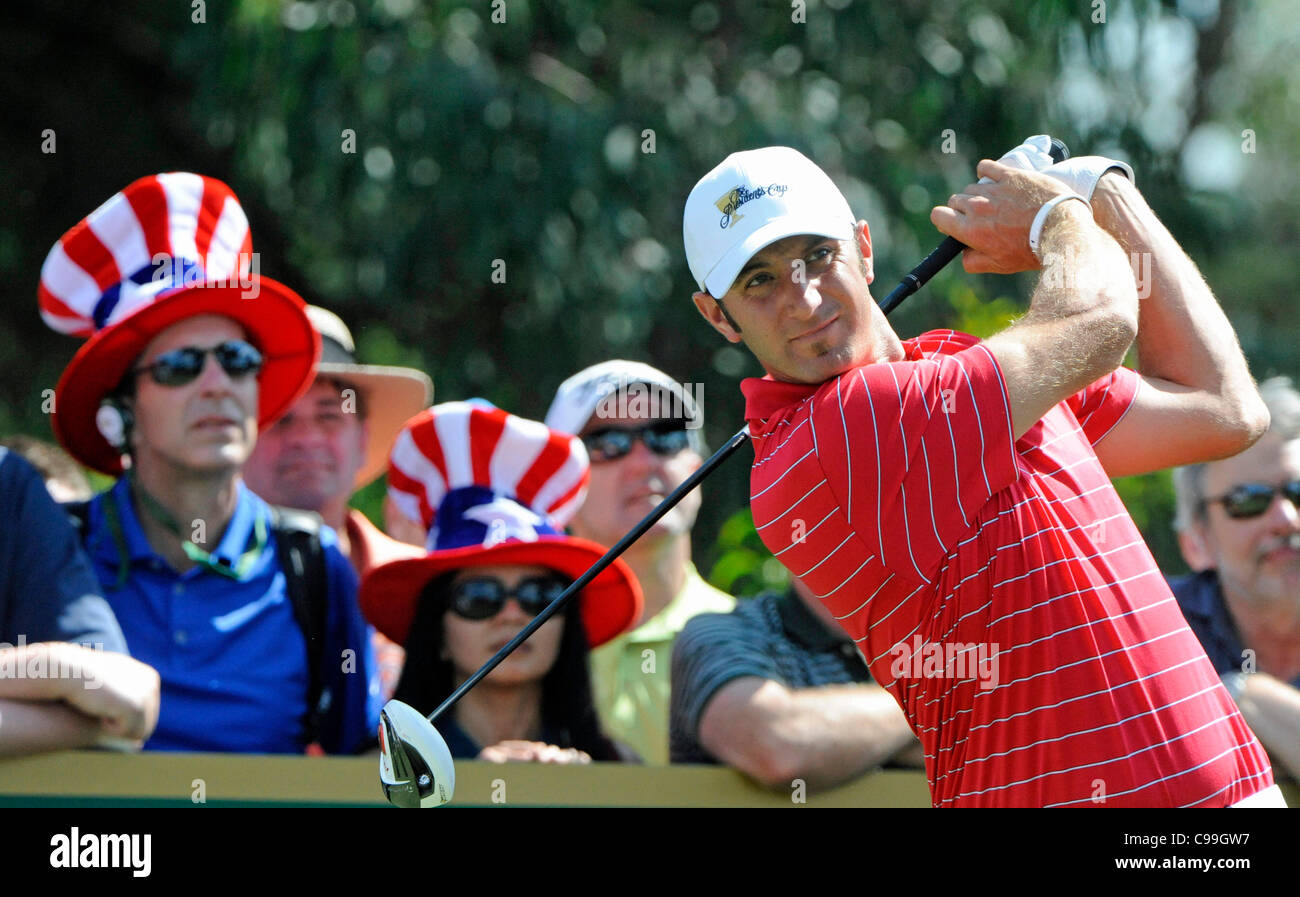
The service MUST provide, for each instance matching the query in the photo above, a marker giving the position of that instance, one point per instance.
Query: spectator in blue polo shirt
(65, 681)
(189, 353)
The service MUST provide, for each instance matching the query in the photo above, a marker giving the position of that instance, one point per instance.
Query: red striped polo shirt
(998, 589)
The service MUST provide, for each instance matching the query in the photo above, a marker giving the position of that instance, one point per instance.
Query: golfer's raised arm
(1198, 401)
(1083, 315)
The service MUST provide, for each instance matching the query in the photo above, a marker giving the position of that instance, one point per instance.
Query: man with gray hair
(1238, 523)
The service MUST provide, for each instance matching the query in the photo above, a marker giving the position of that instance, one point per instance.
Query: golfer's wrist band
(1036, 229)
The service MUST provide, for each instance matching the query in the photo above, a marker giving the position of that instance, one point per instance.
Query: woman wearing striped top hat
(493, 491)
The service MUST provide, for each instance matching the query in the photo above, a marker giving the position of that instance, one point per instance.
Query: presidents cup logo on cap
(784, 195)
(736, 197)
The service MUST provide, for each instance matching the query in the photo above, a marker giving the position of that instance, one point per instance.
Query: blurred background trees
(393, 155)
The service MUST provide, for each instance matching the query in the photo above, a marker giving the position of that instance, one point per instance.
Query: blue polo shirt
(1200, 597)
(230, 652)
(48, 592)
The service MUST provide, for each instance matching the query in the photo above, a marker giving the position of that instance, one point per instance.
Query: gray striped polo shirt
(771, 636)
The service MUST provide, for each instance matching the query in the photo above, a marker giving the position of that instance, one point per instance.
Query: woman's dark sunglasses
(180, 366)
(665, 437)
(482, 598)
(1253, 499)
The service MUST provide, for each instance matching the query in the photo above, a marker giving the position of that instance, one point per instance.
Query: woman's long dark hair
(568, 710)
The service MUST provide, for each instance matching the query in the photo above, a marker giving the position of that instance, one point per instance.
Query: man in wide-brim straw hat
(189, 353)
(335, 440)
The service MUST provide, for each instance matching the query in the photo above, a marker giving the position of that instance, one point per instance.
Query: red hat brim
(611, 603)
(275, 320)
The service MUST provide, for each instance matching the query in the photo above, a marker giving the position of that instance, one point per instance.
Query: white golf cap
(752, 199)
(579, 396)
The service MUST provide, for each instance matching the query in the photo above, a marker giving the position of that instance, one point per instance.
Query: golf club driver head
(415, 766)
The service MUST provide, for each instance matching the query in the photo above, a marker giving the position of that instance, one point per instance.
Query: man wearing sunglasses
(256, 653)
(1238, 523)
(642, 431)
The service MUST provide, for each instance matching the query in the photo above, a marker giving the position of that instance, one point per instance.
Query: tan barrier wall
(92, 777)
(290, 780)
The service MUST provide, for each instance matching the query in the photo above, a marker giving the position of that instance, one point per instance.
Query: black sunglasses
(482, 598)
(661, 437)
(180, 366)
(1253, 499)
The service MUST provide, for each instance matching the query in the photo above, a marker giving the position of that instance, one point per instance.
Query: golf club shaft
(944, 253)
(931, 265)
(597, 568)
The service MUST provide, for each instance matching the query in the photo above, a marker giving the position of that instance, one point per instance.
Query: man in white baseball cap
(796, 197)
(642, 431)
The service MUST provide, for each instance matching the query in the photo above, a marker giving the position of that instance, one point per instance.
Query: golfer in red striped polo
(949, 499)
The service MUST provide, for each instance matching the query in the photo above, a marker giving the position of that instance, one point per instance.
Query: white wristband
(1036, 229)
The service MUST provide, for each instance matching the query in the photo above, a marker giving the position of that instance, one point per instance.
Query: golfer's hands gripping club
(993, 218)
(1035, 154)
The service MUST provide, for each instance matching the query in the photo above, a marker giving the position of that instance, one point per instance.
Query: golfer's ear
(863, 235)
(1195, 548)
(712, 313)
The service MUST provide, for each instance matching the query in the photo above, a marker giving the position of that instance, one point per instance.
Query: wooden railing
(93, 778)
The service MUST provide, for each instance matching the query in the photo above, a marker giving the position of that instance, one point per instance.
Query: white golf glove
(1081, 174)
(1032, 155)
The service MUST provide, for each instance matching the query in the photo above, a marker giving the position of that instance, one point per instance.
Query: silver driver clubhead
(415, 766)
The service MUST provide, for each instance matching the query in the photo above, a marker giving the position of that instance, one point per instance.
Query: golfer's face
(804, 309)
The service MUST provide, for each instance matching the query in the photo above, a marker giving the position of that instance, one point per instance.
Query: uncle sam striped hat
(493, 488)
(166, 248)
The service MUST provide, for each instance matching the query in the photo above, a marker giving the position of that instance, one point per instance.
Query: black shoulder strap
(302, 558)
(79, 513)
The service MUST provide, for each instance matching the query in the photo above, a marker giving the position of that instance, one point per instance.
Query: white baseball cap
(754, 198)
(579, 396)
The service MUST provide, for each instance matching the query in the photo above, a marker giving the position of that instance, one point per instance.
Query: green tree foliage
(394, 156)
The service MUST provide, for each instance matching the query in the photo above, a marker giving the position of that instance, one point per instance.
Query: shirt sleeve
(49, 591)
(712, 650)
(1100, 405)
(351, 720)
(913, 450)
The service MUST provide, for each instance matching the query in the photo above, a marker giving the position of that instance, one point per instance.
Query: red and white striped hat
(166, 248)
(492, 488)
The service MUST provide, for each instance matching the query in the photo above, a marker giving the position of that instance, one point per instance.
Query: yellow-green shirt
(630, 673)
